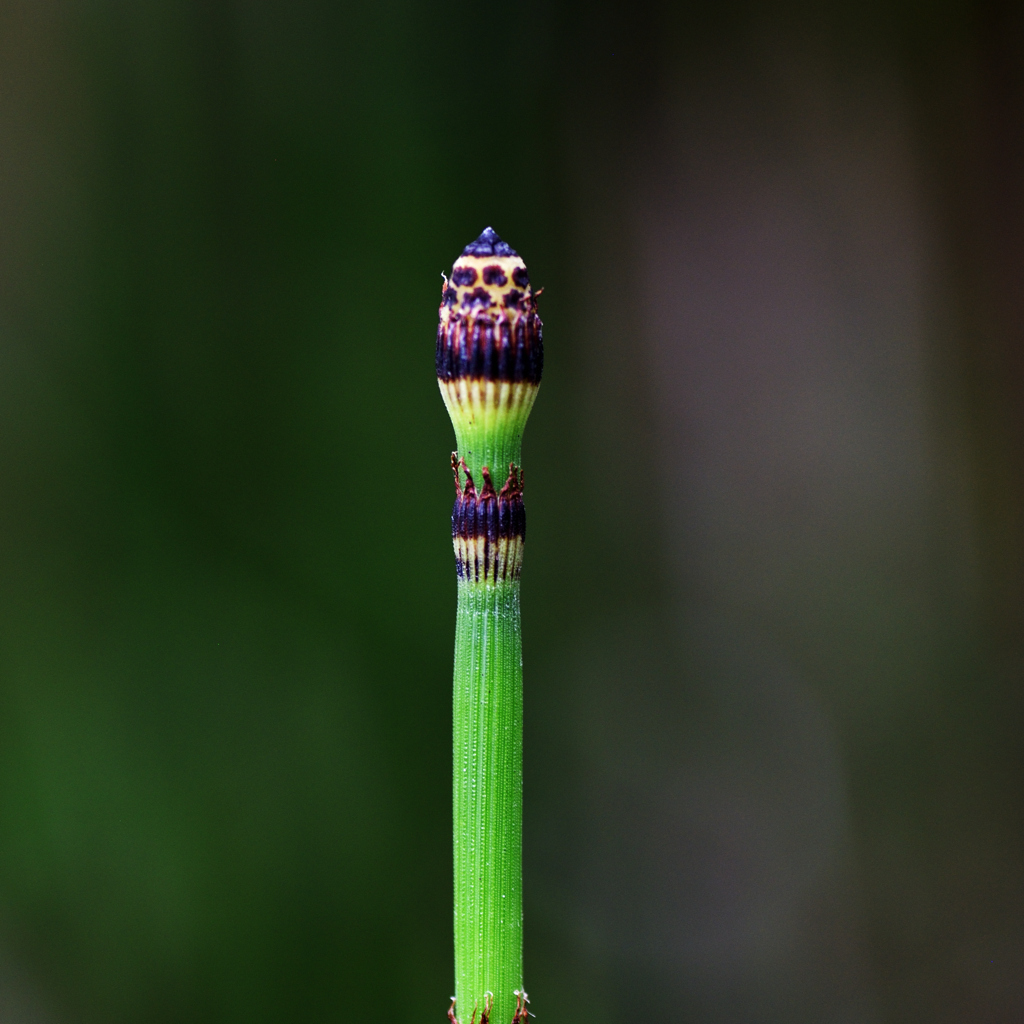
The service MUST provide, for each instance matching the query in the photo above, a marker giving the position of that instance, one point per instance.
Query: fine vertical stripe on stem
(487, 794)
(489, 363)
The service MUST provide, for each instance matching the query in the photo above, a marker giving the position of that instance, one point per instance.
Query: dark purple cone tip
(489, 244)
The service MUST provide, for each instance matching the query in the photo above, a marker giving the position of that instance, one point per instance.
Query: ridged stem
(487, 800)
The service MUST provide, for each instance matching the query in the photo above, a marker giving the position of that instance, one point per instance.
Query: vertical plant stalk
(489, 361)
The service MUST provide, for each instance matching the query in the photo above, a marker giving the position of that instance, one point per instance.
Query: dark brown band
(493, 348)
(489, 527)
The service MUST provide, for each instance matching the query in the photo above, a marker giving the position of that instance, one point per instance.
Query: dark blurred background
(775, 576)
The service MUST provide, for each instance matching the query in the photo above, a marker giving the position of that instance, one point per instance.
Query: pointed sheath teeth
(489, 527)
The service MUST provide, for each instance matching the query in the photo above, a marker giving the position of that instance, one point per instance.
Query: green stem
(487, 800)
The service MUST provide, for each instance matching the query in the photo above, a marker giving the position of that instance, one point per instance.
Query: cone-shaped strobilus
(489, 362)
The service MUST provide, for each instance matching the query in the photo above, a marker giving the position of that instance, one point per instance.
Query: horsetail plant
(489, 360)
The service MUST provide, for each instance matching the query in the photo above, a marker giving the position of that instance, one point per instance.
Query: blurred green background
(772, 601)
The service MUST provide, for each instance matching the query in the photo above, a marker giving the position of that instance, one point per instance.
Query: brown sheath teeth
(519, 1017)
(489, 527)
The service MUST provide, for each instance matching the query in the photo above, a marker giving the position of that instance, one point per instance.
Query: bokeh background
(775, 577)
